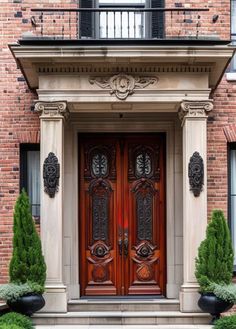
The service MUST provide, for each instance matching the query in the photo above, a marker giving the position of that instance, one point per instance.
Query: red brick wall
(19, 125)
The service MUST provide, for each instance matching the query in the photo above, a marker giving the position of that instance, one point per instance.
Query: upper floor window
(233, 32)
(118, 19)
(30, 175)
(232, 195)
(122, 24)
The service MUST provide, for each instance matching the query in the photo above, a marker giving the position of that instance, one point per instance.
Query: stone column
(193, 115)
(52, 118)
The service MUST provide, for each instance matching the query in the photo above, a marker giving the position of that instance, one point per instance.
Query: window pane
(118, 2)
(233, 224)
(121, 25)
(33, 181)
(233, 32)
(233, 17)
(233, 171)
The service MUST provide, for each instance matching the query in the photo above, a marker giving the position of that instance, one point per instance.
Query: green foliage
(17, 319)
(228, 322)
(226, 293)
(10, 326)
(27, 263)
(11, 292)
(214, 263)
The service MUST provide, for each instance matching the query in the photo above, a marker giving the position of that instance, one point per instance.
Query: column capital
(52, 109)
(194, 109)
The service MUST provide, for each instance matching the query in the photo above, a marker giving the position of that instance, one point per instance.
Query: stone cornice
(52, 109)
(195, 109)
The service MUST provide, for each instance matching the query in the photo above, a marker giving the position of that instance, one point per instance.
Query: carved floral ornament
(123, 85)
(52, 109)
(198, 109)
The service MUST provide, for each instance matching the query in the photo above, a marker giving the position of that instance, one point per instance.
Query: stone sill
(231, 76)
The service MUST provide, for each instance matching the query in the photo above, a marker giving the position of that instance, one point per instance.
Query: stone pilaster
(193, 115)
(52, 118)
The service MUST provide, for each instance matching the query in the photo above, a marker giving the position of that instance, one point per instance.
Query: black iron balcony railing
(122, 23)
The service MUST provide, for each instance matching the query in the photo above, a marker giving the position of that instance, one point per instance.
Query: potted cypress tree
(27, 269)
(214, 267)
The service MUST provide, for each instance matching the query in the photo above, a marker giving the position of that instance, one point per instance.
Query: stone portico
(152, 89)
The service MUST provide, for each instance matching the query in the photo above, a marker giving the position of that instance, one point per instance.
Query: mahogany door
(122, 214)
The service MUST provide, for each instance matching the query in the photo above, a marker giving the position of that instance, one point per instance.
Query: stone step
(126, 327)
(122, 318)
(96, 305)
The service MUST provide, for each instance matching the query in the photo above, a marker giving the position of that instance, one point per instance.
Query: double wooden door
(122, 214)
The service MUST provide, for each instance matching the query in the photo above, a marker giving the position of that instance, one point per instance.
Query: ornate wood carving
(196, 173)
(143, 162)
(99, 258)
(51, 174)
(100, 191)
(145, 259)
(100, 161)
(123, 85)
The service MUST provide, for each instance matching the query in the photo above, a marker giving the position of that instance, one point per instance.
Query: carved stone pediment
(123, 85)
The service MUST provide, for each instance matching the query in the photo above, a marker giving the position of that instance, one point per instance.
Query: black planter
(27, 304)
(209, 303)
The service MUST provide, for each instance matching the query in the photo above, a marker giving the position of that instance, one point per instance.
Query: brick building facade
(20, 124)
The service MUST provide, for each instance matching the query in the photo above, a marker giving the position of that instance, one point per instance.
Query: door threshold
(139, 297)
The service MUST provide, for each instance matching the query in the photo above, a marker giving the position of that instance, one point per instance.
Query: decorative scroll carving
(196, 173)
(145, 249)
(52, 109)
(100, 161)
(100, 258)
(195, 109)
(144, 272)
(144, 193)
(143, 162)
(100, 192)
(123, 85)
(99, 249)
(145, 258)
(51, 174)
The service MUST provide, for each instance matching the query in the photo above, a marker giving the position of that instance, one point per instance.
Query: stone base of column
(56, 299)
(189, 297)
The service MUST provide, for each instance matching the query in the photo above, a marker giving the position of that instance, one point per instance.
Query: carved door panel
(145, 212)
(98, 216)
(122, 247)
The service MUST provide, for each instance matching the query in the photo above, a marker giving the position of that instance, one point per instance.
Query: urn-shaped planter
(27, 304)
(209, 303)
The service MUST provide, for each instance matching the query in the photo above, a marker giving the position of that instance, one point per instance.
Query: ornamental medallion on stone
(196, 173)
(51, 174)
(123, 85)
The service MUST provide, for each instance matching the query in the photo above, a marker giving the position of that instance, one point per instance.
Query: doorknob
(126, 243)
(120, 245)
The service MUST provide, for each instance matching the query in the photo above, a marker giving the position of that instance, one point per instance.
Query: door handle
(120, 247)
(126, 243)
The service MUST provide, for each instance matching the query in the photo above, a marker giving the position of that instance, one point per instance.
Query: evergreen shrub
(27, 263)
(16, 319)
(228, 322)
(214, 263)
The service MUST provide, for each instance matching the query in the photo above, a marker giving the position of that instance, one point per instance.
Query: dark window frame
(231, 146)
(153, 29)
(24, 148)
